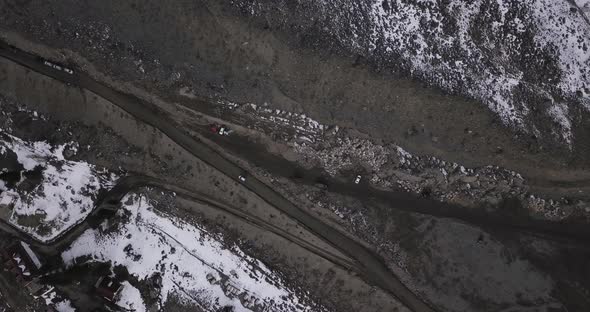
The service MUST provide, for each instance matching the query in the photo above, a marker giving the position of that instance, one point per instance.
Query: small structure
(211, 279)
(231, 289)
(22, 261)
(251, 302)
(107, 287)
(39, 290)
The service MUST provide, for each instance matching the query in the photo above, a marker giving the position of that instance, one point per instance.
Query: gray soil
(217, 52)
(430, 255)
(226, 55)
(84, 118)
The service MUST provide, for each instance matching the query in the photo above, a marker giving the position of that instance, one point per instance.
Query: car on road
(242, 177)
(357, 180)
(225, 131)
(58, 67)
(214, 128)
(220, 129)
(321, 185)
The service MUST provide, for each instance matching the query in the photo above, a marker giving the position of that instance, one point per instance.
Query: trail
(366, 262)
(370, 266)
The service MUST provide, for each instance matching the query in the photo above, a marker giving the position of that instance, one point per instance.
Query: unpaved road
(370, 265)
(111, 199)
(510, 219)
(153, 116)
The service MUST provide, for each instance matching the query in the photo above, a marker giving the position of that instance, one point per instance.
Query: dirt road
(371, 266)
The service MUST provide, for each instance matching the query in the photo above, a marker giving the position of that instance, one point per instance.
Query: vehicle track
(370, 265)
(129, 184)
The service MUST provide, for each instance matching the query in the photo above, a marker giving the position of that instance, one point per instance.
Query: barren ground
(199, 60)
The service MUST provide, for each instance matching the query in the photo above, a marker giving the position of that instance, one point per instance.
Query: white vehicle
(57, 67)
(225, 131)
(357, 180)
(242, 178)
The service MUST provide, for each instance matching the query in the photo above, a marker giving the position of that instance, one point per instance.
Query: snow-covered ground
(557, 32)
(64, 306)
(519, 58)
(192, 264)
(282, 125)
(62, 196)
(130, 298)
(584, 5)
(459, 60)
(390, 166)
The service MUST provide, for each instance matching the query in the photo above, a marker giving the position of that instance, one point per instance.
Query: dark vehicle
(220, 129)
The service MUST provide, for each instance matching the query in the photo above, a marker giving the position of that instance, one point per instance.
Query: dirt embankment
(137, 147)
(422, 251)
(213, 50)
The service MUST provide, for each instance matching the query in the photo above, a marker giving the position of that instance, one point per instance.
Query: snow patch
(185, 256)
(509, 55)
(63, 197)
(559, 114)
(64, 306)
(130, 298)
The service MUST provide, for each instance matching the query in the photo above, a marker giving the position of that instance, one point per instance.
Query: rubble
(339, 151)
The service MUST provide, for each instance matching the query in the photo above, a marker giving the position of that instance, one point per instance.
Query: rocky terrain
(64, 193)
(449, 137)
(527, 60)
(342, 151)
(271, 56)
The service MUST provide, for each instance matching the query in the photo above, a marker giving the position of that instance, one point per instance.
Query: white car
(225, 131)
(242, 178)
(57, 67)
(357, 180)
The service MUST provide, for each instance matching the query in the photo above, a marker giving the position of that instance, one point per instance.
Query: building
(22, 261)
(250, 301)
(40, 290)
(230, 288)
(107, 288)
(212, 279)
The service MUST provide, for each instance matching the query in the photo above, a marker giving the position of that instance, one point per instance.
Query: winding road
(369, 265)
(366, 262)
(110, 202)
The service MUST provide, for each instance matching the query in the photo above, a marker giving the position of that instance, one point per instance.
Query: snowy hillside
(584, 6)
(528, 61)
(192, 264)
(41, 192)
